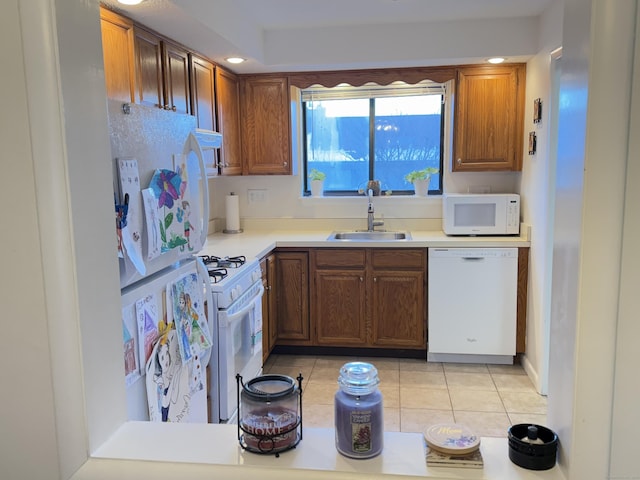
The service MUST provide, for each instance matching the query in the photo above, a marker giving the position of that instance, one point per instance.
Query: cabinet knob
(375, 279)
(459, 161)
(361, 279)
(174, 108)
(285, 164)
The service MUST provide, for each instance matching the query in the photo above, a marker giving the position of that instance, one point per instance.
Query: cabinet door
(228, 110)
(339, 312)
(292, 294)
(148, 69)
(266, 142)
(118, 55)
(273, 311)
(488, 123)
(203, 101)
(176, 78)
(398, 309)
(269, 314)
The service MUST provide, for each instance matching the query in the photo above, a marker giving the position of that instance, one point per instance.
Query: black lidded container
(533, 456)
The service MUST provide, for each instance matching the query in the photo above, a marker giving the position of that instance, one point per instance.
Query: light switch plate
(256, 195)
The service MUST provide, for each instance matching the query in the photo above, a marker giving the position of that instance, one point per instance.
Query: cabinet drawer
(398, 257)
(340, 258)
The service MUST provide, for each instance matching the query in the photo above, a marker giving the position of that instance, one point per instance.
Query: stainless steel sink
(370, 236)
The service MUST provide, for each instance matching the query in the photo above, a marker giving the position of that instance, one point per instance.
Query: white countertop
(211, 451)
(258, 243)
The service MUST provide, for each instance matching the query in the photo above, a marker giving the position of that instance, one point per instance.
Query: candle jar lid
(268, 388)
(358, 378)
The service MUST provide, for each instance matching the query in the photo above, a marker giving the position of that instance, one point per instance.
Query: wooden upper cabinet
(162, 73)
(203, 103)
(176, 78)
(118, 54)
(149, 79)
(489, 116)
(203, 75)
(266, 130)
(228, 111)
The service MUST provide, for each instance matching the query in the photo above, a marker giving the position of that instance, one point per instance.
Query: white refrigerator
(161, 209)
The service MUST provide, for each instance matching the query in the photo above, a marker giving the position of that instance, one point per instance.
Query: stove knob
(234, 293)
(256, 276)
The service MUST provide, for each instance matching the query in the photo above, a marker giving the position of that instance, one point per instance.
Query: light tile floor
(487, 398)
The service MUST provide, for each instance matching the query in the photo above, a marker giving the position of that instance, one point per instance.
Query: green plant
(317, 174)
(420, 174)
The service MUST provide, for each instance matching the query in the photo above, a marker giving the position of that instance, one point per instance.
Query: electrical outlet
(257, 196)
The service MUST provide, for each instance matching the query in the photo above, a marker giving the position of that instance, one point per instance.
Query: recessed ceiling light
(130, 2)
(496, 60)
(235, 60)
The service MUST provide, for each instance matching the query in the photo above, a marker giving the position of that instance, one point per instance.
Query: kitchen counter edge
(260, 243)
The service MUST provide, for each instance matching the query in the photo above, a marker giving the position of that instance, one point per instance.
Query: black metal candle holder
(268, 440)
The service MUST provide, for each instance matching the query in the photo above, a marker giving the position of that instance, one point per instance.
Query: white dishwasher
(472, 305)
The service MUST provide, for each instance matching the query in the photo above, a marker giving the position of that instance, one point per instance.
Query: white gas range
(236, 285)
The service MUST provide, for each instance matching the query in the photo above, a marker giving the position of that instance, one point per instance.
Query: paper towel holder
(238, 230)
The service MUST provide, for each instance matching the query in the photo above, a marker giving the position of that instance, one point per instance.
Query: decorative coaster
(452, 439)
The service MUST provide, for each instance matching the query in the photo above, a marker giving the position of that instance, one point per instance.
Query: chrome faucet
(371, 223)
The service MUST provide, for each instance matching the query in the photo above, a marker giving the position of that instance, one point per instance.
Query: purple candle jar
(358, 411)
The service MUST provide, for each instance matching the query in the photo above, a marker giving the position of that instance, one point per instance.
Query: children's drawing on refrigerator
(149, 319)
(188, 315)
(191, 327)
(130, 232)
(132, 372)
(167, 381)
(173, 209)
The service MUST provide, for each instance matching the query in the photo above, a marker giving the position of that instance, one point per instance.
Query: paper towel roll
(233, 214)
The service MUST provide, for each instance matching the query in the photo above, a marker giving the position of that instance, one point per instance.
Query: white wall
(537, 191)
(62, 351)
(26, 381)
(595, 92)
(626, 415)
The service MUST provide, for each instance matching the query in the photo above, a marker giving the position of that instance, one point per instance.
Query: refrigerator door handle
(193, 145)
(204, 276)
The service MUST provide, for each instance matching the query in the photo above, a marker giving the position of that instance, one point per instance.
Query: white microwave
(481, 214)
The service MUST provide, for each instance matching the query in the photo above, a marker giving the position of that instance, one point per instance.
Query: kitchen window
(357, 134)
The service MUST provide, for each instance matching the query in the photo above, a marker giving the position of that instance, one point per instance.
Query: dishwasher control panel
(473, 252)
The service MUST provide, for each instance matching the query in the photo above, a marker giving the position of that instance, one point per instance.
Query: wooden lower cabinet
(269, 314)
(398, 316)
(292, 297)
(338, 299)
(369, 298)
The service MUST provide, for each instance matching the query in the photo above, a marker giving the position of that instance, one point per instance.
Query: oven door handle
(247, 307)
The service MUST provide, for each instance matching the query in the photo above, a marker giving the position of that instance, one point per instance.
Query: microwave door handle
(247, 307)
(204, 277)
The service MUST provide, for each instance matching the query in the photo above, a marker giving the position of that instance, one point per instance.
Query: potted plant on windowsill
(317, 182)
(420, 180)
